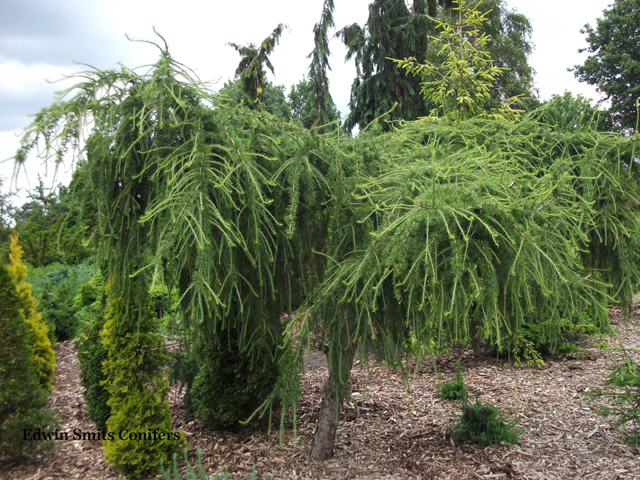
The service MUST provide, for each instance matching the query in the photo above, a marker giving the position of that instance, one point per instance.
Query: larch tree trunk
(476, 341)
(333, 393)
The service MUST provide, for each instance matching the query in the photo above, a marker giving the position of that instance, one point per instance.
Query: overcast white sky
(40, 40)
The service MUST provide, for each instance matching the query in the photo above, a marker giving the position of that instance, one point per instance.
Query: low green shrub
(568, 348)
(518, 347)
(485, 425)
(625, 396)
(63, 292)
(454, 389)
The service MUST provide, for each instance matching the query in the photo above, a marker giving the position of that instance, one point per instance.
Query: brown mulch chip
(393, 430)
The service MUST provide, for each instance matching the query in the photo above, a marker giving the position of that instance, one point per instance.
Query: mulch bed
(396, 430)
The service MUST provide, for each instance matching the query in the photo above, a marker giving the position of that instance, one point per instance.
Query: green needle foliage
(380, 90)
(173, 472)
(471, 230)
(466, 74)
(225, 205)
(92, 354)
(624, 396)
(42, 354)
(454, 389)
(436, 231)
(232, 383)
(485, 425)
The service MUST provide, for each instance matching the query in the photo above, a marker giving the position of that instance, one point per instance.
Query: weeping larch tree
(225, 204)
(439, 229)
(479, 229)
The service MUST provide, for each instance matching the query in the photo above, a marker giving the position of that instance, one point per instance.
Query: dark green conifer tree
(252, 63)
(394, 31)
(319, 108)
(92, 353)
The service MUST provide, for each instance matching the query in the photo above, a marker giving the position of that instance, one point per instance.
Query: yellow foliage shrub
(42, 355)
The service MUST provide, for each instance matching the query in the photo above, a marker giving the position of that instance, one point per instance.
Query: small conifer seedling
(485, 424)
(454, 389)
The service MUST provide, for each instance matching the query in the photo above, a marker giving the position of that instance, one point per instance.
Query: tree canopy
(459, 85)
(395, 31)
(274, 99)
(613, 65)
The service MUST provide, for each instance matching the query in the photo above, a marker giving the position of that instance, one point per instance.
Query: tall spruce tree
(319, 108)
(509, 49)
(392, 30)
(459, 82)
(251, 69)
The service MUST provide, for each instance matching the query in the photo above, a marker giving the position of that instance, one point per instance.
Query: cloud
(24, 90)
(42, 31)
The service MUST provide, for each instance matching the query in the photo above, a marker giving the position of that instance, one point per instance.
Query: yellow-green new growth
(138, 389)
(42, 354)
(461, 85)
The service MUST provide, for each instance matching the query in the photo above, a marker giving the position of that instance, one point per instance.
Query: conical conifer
(22, 401)
(140, 419)
(42, 353)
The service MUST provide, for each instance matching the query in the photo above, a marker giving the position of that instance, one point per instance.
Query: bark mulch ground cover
(393, 430)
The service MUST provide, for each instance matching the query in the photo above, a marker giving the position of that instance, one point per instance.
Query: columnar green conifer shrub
(23, 402)
(233, 381)
(43, 357)
(140, 420)
(92, 354)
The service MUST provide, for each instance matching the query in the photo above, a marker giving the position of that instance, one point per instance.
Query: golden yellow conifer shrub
(42, 354)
